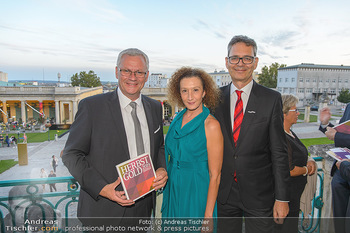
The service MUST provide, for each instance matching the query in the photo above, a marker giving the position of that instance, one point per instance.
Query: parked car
(314, 108)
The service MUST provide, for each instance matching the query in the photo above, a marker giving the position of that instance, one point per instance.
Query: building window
(285, 90)
(292, 90)
(320, 81)
(346, 81)
(309, 90)
(307, 80)
(293, 79)
(314, 80)
(301, 80)
(327, 80)
(286, 79)
(333, 81)
(280, 80)
(301, 90)
(339, 80)
(333, 90)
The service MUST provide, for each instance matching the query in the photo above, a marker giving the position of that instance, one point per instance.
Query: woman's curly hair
(212, 93)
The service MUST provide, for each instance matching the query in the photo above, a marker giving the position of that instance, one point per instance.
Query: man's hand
(339, 162)
(325, 115)
(109, 192)
(311, 167)
(330, 133)
(161, 179)
(280, 211)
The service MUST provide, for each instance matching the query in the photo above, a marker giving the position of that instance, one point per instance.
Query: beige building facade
(58, 104)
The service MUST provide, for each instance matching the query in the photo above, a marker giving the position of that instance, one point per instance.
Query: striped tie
(238, 117)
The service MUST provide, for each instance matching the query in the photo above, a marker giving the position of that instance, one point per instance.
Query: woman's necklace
(289, 133)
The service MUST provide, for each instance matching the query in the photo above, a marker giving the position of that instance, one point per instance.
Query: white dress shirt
(129, 123)
(245, 96)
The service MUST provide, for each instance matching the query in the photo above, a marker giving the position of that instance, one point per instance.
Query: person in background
(1, 140)
(340, 183)
(54, 163)
(299, 165)
(24, 138)
(7, 140)
(193, 147)
(255, 173)
(52, 185)
(14, 141)
(43, 174)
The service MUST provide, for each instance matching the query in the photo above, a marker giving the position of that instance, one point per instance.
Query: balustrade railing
(27, 208)
(311, 223)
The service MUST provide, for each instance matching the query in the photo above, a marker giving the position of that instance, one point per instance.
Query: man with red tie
(255, 169)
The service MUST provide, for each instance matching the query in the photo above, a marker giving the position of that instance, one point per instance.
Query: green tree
(344, 96)
(268, 76)
(84, 79)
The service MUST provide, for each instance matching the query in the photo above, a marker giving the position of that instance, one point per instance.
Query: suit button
(235, 157)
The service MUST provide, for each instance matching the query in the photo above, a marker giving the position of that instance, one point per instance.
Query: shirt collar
(246, 89)
(125, 101)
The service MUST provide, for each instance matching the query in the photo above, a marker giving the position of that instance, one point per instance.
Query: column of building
(57, 111)
(23, 111)
(4, 109)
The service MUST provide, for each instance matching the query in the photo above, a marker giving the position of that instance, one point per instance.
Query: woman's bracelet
(307, 171)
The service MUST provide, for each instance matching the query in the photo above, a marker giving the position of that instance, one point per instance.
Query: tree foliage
(344, 96)
(268, 76)
(84, 79)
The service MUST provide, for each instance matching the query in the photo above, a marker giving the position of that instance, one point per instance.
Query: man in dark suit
(255, 168)
(103, 135)
(340, 182)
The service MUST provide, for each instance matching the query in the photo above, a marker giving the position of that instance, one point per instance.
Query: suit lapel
(249, 113)
(148, 112)
(114, 107)
(227, 114)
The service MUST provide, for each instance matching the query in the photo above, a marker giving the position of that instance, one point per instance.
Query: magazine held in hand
(137, 176)
(343, 127)
(339, 153)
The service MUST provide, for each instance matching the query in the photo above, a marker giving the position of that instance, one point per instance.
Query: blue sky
(39, 38)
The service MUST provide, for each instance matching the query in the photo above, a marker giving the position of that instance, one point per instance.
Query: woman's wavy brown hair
(211, 97)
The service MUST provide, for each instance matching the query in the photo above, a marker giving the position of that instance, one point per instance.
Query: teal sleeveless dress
(185, 194)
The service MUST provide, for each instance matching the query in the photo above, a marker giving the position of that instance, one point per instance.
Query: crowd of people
(230, 154)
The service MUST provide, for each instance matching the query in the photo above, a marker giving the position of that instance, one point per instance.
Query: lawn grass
(165, 129)
(315, 141)
(7, 164)
(313, 118)
(38, 137)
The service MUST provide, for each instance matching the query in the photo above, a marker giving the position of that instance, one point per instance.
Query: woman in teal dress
(193, 147)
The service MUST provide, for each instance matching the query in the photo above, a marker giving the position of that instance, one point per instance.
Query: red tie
(237, 121)
(238, 117)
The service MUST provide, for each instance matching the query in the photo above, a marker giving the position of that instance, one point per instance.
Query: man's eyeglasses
(294, 110)
(128, 73)
(245, 60)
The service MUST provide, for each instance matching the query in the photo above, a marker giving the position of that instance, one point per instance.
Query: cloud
(201, 25)
(281, 38)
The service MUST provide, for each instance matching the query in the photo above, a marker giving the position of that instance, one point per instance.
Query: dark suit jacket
(260, 158)
(97, 142)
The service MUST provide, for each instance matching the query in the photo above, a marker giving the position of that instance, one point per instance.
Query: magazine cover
(137, 176)
(343, 127)
(339, 153)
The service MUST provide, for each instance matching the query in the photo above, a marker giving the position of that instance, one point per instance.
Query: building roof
(9, 84)
(315, 66)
